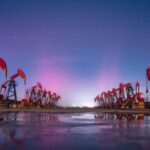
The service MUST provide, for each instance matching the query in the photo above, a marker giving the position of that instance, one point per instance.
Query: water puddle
(28, 130)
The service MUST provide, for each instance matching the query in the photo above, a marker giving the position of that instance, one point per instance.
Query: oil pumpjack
(126, 96)
(147, 103)
(35, 94)
(3, 66)
(8, 88)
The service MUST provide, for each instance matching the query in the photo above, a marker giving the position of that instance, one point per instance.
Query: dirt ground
(77, 110)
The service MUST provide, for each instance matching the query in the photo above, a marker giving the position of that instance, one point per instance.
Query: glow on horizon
(79, 97)
(64, 82)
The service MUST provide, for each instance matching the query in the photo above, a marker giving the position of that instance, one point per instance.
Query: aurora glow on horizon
(77, 48)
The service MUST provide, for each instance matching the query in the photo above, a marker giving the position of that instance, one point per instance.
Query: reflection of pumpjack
(130, 117)
(119, 116)
(11, 136)
(105, 116)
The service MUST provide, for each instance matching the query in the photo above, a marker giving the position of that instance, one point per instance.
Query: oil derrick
(115, 98)
(11, 94)
(129, 95)
(126, 96)
(133, 95)
(9, 88)
(39, 98)
(122, 100)
(97, 100)
(44, 98)
(55, 99)
(49, 99)
(104, 99)
(147, 104)
(139, 100)
(109, 100)
(34, 94)
(58, 97)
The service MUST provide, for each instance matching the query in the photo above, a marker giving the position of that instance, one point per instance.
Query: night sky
(77, 48)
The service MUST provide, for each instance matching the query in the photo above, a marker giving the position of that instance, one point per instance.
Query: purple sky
(77, 48)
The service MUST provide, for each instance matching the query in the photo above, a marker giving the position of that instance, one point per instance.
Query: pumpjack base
(10, 103)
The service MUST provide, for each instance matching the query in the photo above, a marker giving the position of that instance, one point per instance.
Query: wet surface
(24, 130)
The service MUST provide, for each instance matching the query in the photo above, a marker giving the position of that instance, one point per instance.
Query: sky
(77, 48)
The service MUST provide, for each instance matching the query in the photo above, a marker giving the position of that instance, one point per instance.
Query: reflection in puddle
(120, 116)
(74, 131)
